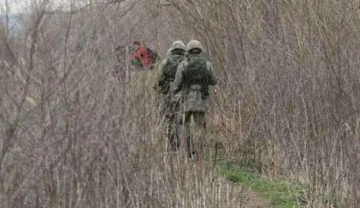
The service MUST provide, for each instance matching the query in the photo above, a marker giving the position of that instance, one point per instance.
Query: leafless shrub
(288, 90)
(73, 136)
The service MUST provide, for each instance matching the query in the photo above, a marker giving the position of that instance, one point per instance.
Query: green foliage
(281, 193)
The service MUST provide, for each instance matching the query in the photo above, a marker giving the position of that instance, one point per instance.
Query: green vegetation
(281, 193)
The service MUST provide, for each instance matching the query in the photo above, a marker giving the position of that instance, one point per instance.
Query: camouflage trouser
(200, 121)
(173, 128)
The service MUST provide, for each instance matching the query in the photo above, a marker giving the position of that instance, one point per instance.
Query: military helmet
(193, 44)
(178, 45)
(168, 52)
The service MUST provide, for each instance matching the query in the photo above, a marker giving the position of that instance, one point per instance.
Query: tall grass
(74, 136)
(287, 96)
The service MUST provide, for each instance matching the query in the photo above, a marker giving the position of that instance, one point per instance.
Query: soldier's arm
(178, 79)
(212, 77)
(161, 77)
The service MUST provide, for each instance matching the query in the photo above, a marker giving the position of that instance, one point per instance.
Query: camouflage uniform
(163, 62)
(157, 87)
(195, 104)
(171, 104)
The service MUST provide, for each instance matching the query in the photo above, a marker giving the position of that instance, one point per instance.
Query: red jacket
(143, 55)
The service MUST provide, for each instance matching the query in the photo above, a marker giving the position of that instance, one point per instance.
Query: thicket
(74, 136)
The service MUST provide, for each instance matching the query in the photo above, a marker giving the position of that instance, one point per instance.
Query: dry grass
(73, 136)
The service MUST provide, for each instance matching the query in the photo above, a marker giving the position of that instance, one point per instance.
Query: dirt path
(256, 201)
(251, 199)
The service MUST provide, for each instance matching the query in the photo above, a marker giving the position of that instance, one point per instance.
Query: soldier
(162, 63)
(193, 77)
(171, 104)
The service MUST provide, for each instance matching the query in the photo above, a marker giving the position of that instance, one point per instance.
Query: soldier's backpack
(169, 70)
(196, 72)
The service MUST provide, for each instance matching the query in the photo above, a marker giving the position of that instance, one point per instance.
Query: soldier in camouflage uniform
(171, 104)
(162, 63)
(193, 77)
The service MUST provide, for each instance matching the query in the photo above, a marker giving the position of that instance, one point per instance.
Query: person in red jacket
(140, 56)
